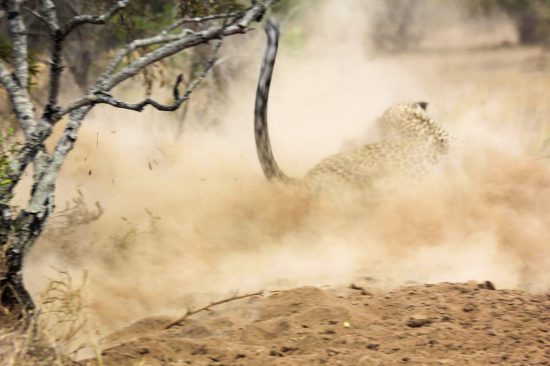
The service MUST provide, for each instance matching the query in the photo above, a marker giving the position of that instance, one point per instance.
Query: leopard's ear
(423, 105)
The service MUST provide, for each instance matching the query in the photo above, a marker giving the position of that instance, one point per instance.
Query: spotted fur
(411, 141)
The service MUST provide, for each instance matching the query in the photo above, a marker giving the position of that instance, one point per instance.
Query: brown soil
(444, 324)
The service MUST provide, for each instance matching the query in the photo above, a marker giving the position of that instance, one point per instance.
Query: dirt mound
(443, 324)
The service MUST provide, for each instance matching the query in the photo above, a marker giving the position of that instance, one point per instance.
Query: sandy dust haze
(193, 219)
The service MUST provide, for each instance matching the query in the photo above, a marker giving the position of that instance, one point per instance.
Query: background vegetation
(400, 25)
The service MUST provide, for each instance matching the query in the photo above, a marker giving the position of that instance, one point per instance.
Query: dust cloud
(191, 220)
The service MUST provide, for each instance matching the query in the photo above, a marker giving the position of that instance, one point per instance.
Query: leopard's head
(411, 121)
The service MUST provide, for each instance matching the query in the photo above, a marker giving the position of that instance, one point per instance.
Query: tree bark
(15, 245)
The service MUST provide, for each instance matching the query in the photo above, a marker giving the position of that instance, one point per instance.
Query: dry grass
(50, 336)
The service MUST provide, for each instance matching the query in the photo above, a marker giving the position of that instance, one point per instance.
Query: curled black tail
(263, 146)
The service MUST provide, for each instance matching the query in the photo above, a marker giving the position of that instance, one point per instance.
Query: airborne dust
(191, 220)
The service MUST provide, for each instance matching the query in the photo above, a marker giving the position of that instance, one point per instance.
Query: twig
(203, 19)
(93, 19)
(38, 16)
(106, 98)
(190, 312)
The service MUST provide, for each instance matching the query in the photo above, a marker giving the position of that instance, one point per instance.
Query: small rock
(360, 288)
(199, 350)
(373, 346)
(469, 308)
(417, 321)
(275, 353)
(286, 349)
(487, 285)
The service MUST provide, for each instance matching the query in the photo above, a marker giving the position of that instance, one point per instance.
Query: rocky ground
(441, 324)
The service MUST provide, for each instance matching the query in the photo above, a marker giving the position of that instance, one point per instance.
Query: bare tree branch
(162, 52)
(93, 19)
(195, 20)
(105, 98)
(163, 37)
(38, 16)
(134, 45)
(190, 312)
(253, 14)
(101, 97)
(184, 40)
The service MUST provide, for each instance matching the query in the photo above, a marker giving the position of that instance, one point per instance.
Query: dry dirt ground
(441, 324)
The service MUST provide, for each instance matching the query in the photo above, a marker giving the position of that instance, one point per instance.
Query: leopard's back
(411, 141)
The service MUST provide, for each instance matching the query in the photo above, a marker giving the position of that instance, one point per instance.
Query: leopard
(411, 142)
